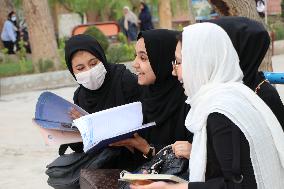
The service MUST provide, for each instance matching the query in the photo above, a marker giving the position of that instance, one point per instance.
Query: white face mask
(93, 78)
(13, 18)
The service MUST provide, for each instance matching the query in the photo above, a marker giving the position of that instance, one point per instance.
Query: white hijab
(213, 82)
(129, 17)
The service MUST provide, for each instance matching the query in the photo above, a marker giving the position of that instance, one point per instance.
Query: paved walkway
(23, 155)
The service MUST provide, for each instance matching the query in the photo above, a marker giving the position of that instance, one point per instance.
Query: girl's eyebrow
(92, 59)
(79, 65)
(142, 52)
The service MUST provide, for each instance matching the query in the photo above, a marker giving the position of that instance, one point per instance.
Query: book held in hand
(96, 130)
(143, 179)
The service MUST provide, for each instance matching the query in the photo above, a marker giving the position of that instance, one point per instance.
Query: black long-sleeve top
(270, 96)
(219, 171)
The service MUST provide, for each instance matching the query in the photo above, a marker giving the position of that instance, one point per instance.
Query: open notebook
(97, 130)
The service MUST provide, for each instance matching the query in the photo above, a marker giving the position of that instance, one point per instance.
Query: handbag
(164, 162)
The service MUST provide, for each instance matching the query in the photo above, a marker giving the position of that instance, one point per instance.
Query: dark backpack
(64, 172)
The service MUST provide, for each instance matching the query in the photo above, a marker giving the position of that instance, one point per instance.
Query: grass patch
(12, 69)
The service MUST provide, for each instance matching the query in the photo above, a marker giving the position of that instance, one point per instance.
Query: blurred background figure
(9, 32)
(23, 36)
(145, 18)
(130, 24)
(260, 7)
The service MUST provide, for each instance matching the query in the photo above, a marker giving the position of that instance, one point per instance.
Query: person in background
(9, 33)
(238, 142)
(260, 7)
(130, 24)
(145, 18)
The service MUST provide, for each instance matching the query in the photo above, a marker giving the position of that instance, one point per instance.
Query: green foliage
(106, 9)
(183, 4)
(17, 3)
(22, 52)
(61, 52)
(276, 25)
(98, 35)
(45, 65)
(122, 38)
(11, 68)
(120, 53)
(4, 51)
(25, 66)
(279, 31)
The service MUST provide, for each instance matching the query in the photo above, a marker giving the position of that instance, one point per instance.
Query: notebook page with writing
(109, 123)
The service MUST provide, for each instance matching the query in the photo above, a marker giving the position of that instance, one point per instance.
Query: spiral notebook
(97, 130)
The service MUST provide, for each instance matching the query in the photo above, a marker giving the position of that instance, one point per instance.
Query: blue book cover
(52, 112)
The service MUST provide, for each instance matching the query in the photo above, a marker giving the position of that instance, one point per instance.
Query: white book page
(109, 123)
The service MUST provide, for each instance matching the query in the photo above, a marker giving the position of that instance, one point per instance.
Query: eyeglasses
(175, 65)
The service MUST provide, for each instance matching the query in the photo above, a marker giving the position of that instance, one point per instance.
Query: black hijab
(251, 41)
(118, 80)
(163, 101)
(164, 97)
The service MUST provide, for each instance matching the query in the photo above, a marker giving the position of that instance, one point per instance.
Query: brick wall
(274, 7)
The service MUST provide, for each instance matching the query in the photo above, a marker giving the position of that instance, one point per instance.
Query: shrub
(122, 38)
(45, 65)
(99, 36)
(278, 29)
(120, 53)
(61, 52)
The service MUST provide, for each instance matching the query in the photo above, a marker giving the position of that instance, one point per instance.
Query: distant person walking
(9, 32)
(145, 18)
(130, 24)
(260, 7)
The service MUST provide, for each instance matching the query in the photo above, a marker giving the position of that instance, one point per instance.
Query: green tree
(106, 10)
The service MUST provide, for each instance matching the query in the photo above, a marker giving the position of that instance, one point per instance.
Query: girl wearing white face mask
(102, 85)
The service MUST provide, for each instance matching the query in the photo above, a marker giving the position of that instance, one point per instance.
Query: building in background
(274, 7)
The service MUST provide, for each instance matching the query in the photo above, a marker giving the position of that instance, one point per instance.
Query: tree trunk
(245, 8)
(41, 32)
(191, 13)
(165, 14)
(6, 6)
(92, 16)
